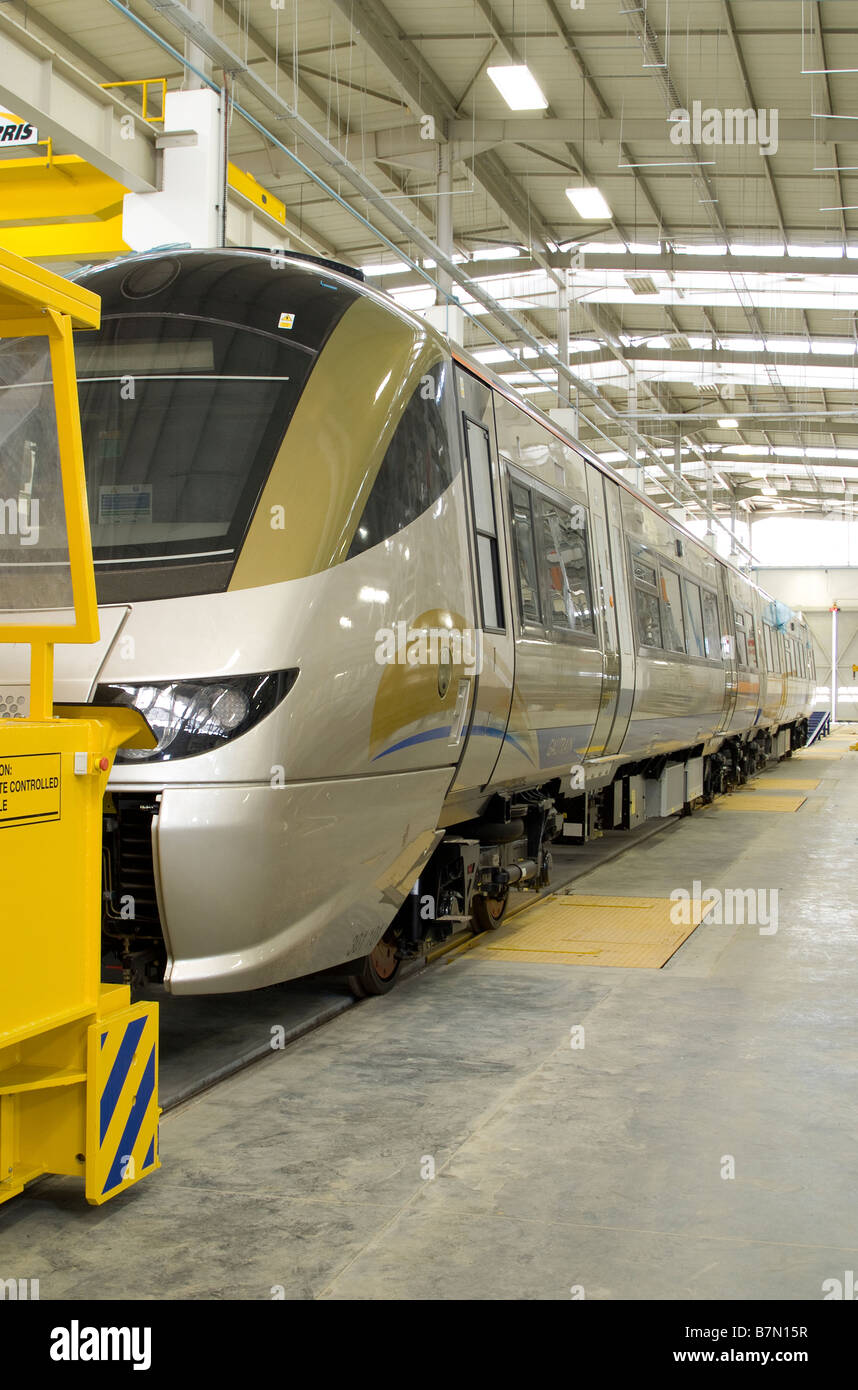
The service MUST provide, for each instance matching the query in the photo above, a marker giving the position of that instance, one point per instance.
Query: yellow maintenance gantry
(78, 1062)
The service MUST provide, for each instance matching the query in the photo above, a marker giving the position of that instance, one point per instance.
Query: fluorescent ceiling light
(518, 87)
(494, 253)
(589, 204)
(728, 423)
(386, 268)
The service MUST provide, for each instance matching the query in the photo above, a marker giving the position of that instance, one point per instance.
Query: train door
(622, 609)
(605, 605)
(492, 681)
(728, 652)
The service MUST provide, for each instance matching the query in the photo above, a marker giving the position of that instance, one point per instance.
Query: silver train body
(393, 630)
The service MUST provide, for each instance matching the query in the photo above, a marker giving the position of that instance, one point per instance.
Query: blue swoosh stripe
(479, 729)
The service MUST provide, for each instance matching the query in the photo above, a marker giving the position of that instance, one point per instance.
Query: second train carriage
(388, 624)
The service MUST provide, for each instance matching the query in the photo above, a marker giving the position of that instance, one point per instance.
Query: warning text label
(29, 788)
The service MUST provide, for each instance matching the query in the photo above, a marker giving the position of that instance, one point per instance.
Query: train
(395, 632)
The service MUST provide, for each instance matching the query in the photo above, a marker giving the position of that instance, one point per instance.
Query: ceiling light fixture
(728, 422)
(589, 204)
(641, 284)
(518, 87)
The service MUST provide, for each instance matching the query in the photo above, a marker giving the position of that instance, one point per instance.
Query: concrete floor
(597, 1170)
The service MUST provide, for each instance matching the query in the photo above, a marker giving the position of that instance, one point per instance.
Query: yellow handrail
(145, 83)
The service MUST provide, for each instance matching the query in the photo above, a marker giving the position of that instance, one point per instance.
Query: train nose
(76, 668)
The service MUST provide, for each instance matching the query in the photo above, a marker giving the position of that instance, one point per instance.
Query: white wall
(814, 592)
(790, 541)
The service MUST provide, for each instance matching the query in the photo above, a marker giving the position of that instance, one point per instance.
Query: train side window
(672, 626)
(751, 641)
(693, 612)
(644, 573)
(767, 643)
(564, 551)
(524, 551)
(647, 607)
(711, 625)
(485, 524)
(420, 463)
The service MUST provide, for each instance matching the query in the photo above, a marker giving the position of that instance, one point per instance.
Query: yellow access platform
(78, 1061)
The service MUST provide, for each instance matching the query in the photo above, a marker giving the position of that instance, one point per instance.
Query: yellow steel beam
(62, 187)
(65, 241)
(245, 186)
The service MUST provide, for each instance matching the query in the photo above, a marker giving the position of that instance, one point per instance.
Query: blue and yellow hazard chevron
(122, 1101)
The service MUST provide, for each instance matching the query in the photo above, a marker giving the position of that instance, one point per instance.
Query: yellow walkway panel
(784, 784)
(759, 802)
(573, 929)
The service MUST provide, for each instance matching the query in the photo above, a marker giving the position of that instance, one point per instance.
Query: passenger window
(420, 463)
(741, 648)
(485, 525)
(693, 618)
(647, 605)
(564, 542)
(711, 626)
(649, 618)
(644, 572)
(524, 551)
(767, 643)
(674, 634)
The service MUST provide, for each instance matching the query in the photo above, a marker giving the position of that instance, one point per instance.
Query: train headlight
(190, 717)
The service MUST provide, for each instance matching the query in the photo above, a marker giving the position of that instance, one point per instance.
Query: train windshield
(181, 421)
(186, 393)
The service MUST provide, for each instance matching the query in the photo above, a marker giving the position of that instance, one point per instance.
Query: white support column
(710, 498)
(444, 217)
(834, 612)
(186, 209)
(204, 10)
(563, 342)
(632, 412)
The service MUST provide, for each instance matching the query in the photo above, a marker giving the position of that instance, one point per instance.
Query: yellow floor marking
(806, 754)
(577, 930)
(758, 801)
(785, 784)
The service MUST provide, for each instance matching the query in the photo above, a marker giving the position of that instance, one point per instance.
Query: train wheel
(488, 913)
(375, 973)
